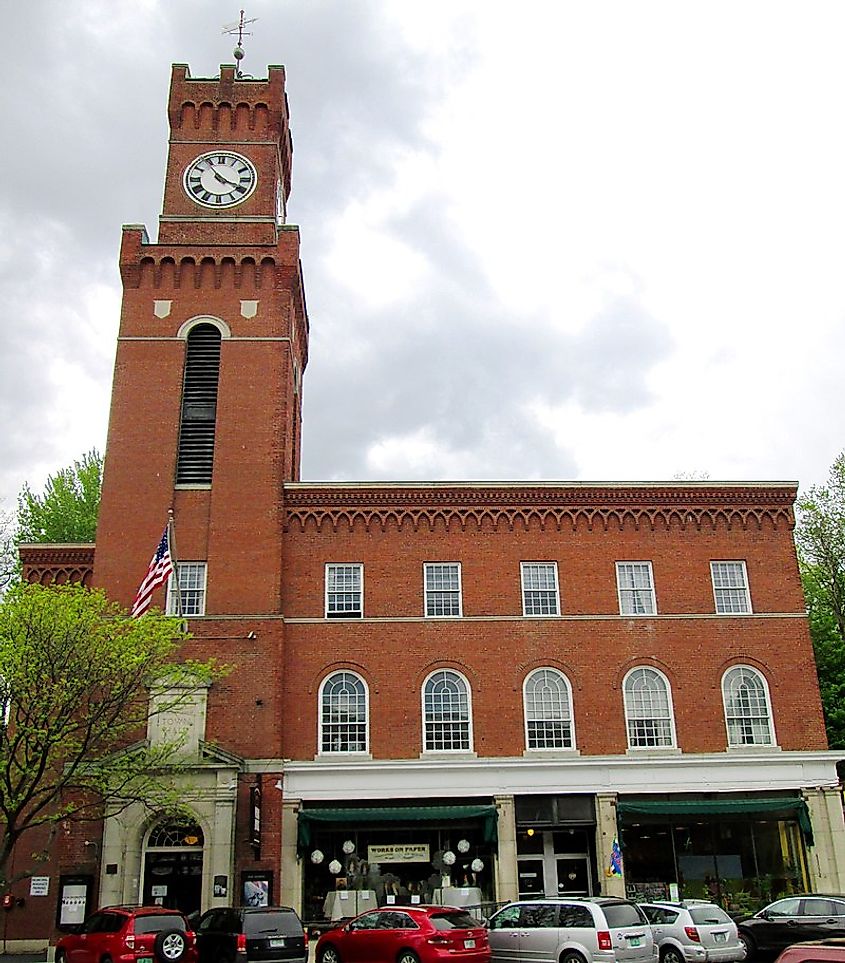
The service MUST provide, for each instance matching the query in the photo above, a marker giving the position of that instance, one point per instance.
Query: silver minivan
(694, 932)
(573, 930)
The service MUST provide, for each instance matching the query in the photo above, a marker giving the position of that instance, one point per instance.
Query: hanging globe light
(449, 858)
(463, 845)
(334, 867)
(317, 857)
(477, 865)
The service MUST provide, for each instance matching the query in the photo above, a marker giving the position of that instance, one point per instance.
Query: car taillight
(241, 943)
(439, 940)
(190, 937)
(605, 943)
(692, 933)
(129, 941)
(305, 937)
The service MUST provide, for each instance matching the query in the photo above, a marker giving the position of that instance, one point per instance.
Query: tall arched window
(548, 711)
(343, 713)
(199, 405)
(748, 713)
(447, 713)
(648, 709)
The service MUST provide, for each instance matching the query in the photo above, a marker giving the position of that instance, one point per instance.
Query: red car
(820, 951)
(129, 934)
(407, 934)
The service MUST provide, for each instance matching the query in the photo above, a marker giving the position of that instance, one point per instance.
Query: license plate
(721, 937)
(469, 944)
(145, 959)
(276, 942)
(634, 941)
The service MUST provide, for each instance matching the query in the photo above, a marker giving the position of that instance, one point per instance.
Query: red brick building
(458, 691)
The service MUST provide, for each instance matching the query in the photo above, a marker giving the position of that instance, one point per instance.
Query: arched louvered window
(548, 711)
(748, 713)
(199, 405)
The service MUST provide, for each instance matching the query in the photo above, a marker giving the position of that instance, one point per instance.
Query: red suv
(129, 934)
(407, 934)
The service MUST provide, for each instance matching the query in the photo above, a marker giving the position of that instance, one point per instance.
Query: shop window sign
(399, 853)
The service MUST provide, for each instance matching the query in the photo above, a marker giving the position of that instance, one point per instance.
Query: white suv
(574, 930)
(693, 932)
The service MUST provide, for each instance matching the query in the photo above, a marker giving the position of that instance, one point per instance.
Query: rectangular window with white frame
(442, 582)
(540, 594)
(730, 588)
(344, 591)
(635, 585)
(189, 600)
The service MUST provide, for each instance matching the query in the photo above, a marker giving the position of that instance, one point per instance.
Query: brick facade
(267, 537)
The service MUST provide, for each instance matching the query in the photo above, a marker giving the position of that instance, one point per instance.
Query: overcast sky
(560, 240)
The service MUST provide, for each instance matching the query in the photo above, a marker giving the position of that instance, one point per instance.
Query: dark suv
(129, 934)
(258, 934)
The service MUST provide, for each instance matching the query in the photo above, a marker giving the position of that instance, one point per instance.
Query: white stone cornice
(733, 771)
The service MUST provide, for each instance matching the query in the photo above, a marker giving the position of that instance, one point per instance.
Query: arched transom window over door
(748, 713)
(648, 709)
(447, 713)
(343, 713)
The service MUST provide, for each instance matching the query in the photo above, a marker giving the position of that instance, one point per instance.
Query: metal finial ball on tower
(238, 52)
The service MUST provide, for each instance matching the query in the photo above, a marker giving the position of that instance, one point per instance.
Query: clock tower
(206, 403)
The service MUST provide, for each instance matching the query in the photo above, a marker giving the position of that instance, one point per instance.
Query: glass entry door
(532, 878)
(556, 865)
(573, 876)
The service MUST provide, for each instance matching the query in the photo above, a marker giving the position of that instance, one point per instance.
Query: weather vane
(238, 28)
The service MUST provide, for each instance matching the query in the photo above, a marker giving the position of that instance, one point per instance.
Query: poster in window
(257, 887)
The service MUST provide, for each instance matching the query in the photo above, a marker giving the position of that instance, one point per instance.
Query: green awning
(396, 814)
(715, 807)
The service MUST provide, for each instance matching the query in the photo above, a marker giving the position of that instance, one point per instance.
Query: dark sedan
(794, 919)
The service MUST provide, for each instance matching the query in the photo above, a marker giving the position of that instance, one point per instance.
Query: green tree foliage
(820, 536)
(8, 551)
(68, 508)
(75, 679)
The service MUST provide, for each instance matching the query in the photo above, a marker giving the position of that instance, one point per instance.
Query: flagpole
(171, 541)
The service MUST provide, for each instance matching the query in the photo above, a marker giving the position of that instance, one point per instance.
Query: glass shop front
(740, 850)
(356, 859)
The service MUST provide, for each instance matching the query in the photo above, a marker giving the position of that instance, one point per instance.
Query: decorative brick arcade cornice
(551, 505)
(55, 564)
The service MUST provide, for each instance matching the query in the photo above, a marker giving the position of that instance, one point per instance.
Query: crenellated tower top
(229, 162)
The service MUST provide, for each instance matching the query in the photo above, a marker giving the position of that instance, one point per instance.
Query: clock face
(220, 179)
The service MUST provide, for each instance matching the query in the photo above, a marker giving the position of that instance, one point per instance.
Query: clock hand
(226, 180)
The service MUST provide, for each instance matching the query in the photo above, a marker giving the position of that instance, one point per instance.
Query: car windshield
(159, 922)
(622, 914)
(264, 924)
(454, 921)
(708, 915)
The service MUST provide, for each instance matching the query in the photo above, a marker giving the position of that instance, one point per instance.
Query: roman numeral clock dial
(220, 179)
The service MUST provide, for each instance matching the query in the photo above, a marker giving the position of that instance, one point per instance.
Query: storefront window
(740, 861)
(351, 869)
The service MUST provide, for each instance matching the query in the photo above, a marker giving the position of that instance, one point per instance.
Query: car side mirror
(764, 915)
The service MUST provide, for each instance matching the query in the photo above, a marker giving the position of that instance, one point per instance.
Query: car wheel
(407, 956)
(749, 944)
(170, 946)
(570, 956)
(328, 954)
(672, 955)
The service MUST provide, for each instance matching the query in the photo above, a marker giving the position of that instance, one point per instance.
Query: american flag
(161, 565)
